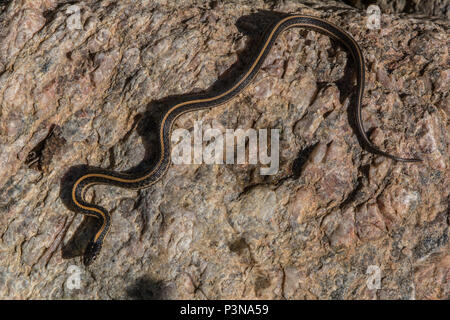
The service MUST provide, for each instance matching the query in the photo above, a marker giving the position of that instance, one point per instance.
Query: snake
(205, 100)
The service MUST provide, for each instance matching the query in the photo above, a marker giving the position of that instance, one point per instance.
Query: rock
(75, 80)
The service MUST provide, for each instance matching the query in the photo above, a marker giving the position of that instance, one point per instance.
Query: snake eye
(91, 252)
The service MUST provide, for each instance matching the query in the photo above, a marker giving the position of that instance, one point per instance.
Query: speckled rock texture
(430, 8)
(74, 84)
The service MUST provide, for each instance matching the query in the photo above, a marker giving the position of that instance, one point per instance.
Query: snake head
(91, 252)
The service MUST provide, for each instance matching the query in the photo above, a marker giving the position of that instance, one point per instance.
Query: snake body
(209, 100)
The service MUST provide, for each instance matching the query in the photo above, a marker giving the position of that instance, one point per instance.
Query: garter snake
(209, 100)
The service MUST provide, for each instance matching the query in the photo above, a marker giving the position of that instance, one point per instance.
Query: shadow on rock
(145, 289)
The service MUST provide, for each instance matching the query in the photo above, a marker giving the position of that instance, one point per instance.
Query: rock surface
(439, 8)
(76, 77)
